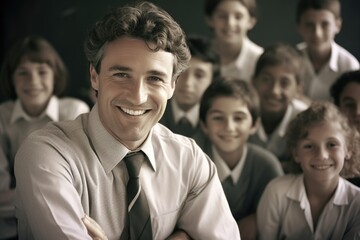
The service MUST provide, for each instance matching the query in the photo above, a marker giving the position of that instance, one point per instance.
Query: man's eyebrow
(119, 68)
(157, 73)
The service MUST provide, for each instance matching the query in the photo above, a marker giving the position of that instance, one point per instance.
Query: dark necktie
(138, 209)
(184, 127)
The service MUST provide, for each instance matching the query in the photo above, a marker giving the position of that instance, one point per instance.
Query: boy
(229, 114)
(182, 111)
(345, 93)
(277, 81)
(318, 22)
(230, 22)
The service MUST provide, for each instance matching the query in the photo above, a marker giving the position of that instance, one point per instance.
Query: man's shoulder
(62, 130)
(165, 135)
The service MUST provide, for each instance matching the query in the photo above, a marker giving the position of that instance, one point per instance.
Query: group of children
(281, 148)
(282, 156)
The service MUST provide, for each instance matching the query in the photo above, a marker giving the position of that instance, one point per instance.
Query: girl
(31, 78)
(315, 202)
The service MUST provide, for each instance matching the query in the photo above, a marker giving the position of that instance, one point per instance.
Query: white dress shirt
(16, 125)
(284, 212)
(72, 168)
(317, 85)
(243, 67)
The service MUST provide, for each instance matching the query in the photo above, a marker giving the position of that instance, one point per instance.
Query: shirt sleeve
(268, 213)
(47, 205)
(206, 213)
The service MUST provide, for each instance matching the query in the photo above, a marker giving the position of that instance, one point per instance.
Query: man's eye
(155, 79)
(121, 75)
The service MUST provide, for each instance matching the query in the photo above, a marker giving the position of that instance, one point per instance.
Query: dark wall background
(65, 24)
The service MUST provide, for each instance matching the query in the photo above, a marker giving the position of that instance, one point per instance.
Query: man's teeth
(133, 112)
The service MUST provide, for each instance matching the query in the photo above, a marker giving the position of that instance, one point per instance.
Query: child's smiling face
(322, 152)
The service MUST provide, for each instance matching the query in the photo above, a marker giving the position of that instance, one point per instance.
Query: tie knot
(133, 162)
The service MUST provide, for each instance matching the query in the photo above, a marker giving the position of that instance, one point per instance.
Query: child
(277, 81)
(229, 113)
(182, 111)
(345, 93)
(230, 22)
(32, 75)
(318, 22)
(315, 202)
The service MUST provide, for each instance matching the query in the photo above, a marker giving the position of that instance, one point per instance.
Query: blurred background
(65, 24)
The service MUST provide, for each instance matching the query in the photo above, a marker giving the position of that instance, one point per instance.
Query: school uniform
(317, 85)
(243, 185)
(276, 142)
(284, 212)
(244, 65)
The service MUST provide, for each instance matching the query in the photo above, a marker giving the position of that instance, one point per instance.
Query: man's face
(133, 84)
(192, 83)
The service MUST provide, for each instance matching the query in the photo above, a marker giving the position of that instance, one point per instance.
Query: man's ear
(94, 78)
(172, 88)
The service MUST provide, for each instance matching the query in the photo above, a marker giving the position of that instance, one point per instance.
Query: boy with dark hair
(230, 22)
(277, 81)
(229, 113)
(318, 22)
(182, 112)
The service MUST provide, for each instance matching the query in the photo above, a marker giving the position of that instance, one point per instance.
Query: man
(71, 169)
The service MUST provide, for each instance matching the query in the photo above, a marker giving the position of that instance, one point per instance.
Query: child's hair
(235, 88)
(330, 5)
(281, 54)
(211, 5)
(325, 112)
(35, 49)
(200, 47)
(341, 82)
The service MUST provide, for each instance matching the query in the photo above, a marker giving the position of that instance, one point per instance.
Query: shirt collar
(243, 56)
(334, 57)
(51, 111)
(109, 150)
(192, 115)
(297, 192)
(224, 171)
(281, 129)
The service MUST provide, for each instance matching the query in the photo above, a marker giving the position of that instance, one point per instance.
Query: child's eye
(307, 146)
(43, 72)
(332, 144)
(22, 73)
(217, 118)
